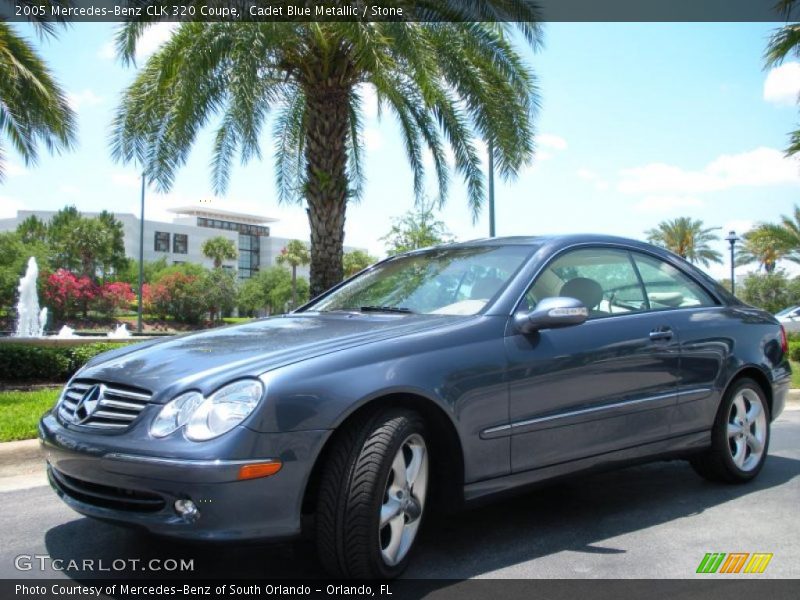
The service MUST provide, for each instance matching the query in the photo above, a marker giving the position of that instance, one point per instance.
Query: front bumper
(97, 479)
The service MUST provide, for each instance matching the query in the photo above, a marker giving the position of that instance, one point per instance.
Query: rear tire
(740, 436)
(372, 495)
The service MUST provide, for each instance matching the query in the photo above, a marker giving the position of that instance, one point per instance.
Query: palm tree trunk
(327, 128)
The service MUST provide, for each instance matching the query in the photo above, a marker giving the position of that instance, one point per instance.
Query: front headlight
(207, 418)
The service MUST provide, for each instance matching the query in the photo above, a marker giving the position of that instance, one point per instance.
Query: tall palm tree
(786, 235)
(687, 238)
(295, 254)
(34, 110)
(785, 42)
(446, 82)
(219, 249)
(764, 244)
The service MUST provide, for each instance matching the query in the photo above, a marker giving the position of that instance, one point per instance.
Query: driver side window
(603, 279)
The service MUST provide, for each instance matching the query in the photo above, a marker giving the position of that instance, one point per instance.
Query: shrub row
(30, 363)
(794, 350)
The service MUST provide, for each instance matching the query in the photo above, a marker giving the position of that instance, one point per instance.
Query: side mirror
(551, 313)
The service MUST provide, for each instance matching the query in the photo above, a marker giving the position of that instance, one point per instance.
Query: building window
(162, 241)
(180, 243)
(256, 230)
(249, 255)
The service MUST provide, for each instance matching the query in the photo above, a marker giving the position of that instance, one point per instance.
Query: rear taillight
(784, 341)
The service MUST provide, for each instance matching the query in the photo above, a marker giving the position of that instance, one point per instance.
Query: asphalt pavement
(650, 521)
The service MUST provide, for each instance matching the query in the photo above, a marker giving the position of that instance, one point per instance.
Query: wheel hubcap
(747, 430)
(403, 500)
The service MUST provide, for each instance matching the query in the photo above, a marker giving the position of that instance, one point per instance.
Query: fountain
(66, 332)
(31, 320)
(121, 332)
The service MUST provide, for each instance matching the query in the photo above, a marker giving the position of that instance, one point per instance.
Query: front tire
(372, 495)
(740, 436)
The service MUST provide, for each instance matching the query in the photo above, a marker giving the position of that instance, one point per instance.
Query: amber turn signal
(256, 470)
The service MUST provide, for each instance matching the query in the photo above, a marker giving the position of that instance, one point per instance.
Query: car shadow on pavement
(572, 515)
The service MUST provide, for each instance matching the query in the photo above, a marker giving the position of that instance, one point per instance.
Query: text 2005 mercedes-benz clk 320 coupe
(436, 377)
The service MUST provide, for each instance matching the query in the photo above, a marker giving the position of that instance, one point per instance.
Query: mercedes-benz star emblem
(88, 404)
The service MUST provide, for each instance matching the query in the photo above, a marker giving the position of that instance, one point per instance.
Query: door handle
(662, 333)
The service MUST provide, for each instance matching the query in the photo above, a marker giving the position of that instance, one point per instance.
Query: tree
(93, 246)
(785, 235)
(356, 261)
(770, 291)
(687, 238)
(270, 289)
(32, 229)
(447, 82)
(418, 228)
(295, 254)
(785, 42)
(34, 110)
(763, 245)
(66, 293)
(112, 297)
(220, 292)
(219, 249)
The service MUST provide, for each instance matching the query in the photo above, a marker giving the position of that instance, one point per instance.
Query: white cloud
(107, 51)
(152, 38)
(150, 41)
(70, 191)
(126, 179)
(548, 140)
(663, 204)
(373, 139)
(602, 186)
(587, 174)
(759, 167)
(87, 98)
(369, 100)
(14, 169)
(9, 207)
(782, 84)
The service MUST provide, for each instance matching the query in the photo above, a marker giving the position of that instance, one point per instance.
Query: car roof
(552, 240)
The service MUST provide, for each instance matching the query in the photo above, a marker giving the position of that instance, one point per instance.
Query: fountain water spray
(31, 320)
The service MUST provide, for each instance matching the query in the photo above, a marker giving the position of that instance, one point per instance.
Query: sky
(639, 122)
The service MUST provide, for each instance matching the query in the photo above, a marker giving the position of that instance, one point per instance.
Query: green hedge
(794, 350)
(28, 363)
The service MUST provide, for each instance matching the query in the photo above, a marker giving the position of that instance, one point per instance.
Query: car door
(607, 384)
(703, 327)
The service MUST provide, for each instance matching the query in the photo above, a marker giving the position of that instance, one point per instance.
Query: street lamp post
(491, 189)
(732, 239)
(141, 259)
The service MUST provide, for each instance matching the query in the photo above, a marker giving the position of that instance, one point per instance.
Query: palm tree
(785, 42)
(765, 244)
(219, 249)
(785, 235)
(34, 110)
(687, 238)
(295, 254)
(447, 82)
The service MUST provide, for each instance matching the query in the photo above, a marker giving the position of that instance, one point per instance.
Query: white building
(182, 239)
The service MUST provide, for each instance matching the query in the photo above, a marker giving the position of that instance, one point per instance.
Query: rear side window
(667, 287)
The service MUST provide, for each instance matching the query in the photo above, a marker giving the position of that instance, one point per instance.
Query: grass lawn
(795, 374)
(20, 412)
(235, 320)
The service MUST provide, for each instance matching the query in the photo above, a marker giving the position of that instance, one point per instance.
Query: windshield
(447, 281)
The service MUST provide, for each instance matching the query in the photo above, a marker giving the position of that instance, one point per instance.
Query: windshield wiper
(389, 309)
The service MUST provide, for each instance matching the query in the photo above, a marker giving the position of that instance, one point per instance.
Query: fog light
(187, 509)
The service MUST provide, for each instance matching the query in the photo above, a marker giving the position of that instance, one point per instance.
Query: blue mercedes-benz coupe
(429, 380)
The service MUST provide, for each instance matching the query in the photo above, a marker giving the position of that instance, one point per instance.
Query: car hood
(210, 358)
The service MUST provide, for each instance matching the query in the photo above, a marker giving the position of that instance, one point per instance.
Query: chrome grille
(110, 406)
